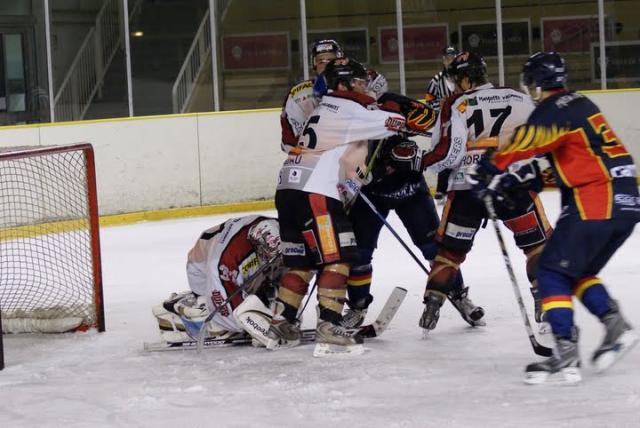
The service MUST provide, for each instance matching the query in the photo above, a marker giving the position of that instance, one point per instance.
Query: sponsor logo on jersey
(294, 175)
(471, 159)
(249, 265)
(472, 101)
(394, 123)
(292, 249)
(347, 239)
(623, 171)
(327, 237)
(460, 232)
(218, 300)
(462, 107)
(307, 84)
(627, 200)
(331, 107)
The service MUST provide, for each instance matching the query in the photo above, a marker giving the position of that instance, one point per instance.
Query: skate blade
(568, 376)
(322, 350)
(274, 345)
(479, 323)
(625, 342)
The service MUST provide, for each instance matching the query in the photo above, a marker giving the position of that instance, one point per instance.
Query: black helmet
(343, 71)
(468, 64)
(450, 50)
(326, 46)
(545, 70)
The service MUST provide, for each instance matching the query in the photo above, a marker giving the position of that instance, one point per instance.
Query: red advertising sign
(570, 34)
(421, 43)
(256, 51)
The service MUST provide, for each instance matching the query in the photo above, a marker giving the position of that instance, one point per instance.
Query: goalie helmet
(470, 65)
(544, 71)
(264, 236)
(344, 71)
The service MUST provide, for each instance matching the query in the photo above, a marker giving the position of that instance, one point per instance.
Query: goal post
(50, 268)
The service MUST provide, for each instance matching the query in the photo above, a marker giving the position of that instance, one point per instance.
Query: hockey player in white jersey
(233, 270)
(305, 96)
(466, 122)
(313, 184)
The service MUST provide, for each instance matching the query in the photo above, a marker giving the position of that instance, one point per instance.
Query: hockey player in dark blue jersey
(600, 207)
(399, 187)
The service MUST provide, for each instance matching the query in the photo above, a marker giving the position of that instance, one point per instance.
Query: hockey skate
(619, 338)
(469, 312)
(173, 312)
(334, 339)
(282, 333)
(433, 301)
(562, 368)
(356, 313)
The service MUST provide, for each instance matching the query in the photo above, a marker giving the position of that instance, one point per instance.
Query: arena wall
(160, 162)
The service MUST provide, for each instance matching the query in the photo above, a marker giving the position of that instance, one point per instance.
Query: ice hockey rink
(456, 377)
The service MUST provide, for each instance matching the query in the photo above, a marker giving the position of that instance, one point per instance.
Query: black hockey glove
(406, 157)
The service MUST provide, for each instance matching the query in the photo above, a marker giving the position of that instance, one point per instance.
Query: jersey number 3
(312, 139)
(610, 143)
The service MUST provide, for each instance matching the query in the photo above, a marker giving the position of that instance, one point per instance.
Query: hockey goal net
(50, 273)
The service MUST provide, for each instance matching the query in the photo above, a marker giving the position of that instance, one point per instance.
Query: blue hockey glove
(482, 174)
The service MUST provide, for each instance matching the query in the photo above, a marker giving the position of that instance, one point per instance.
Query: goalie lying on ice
(233, 271)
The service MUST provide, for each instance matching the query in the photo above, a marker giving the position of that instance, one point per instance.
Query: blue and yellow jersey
(592, 167)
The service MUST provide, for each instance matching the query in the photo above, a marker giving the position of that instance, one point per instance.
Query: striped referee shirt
(438, 89)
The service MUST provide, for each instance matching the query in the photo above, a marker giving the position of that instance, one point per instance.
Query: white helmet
(265, 239)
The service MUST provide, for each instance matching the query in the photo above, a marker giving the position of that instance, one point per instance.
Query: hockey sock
(295, 284)
(593, 295)
(359, 284)
(444, 271)
(555, 290)
(332, 288)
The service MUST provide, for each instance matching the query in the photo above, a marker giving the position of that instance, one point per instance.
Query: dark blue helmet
(544, 70)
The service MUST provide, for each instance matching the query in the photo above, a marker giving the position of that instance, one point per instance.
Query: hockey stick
(537, 347)
(301, 311)
(393, 232)
(374, 329)
(472, 322)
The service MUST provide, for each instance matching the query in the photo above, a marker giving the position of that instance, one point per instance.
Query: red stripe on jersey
(238, 249)
(439, 152)
(324, 224)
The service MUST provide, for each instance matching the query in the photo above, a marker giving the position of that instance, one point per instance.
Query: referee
(439, 88)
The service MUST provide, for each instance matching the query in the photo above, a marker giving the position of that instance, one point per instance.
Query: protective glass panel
(87, 50)
(622, 44)
(163, 37)
(23, 68)
(569, 27)
(365, 29)
(431, 26)
(260, 54)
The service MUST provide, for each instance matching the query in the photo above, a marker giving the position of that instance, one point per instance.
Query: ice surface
(456, 377)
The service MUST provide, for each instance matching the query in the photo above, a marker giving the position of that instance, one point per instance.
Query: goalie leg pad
(255, 318)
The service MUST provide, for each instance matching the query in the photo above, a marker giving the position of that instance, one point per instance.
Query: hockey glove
(406, 157)
(521, 175)
(377, 84)
(398, 103)
(349, 191)
(482, 176)
(320, 86)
